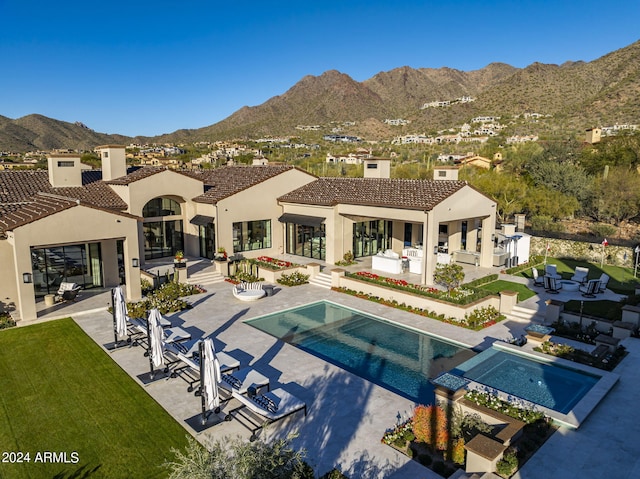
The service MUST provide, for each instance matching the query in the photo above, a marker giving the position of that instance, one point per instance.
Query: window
(442, 173)
(251, 235)
(372, 166)
(161, 207)
(162, 228)
(66, 164)
(105, 154)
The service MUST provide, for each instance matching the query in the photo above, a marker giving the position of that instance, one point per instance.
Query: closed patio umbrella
(210, 374)
(120, 311)
(156, 338)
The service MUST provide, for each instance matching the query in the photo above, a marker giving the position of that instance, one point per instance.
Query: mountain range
(577, 95)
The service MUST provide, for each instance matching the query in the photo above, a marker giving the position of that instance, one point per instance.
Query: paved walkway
(348, 415)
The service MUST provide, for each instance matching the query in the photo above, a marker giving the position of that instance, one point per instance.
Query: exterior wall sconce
(435, 250)
(27, 278)
(134, 262)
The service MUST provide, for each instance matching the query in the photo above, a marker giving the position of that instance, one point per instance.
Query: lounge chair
(248, 291)
(188, 364)
(550, 270)
(552, 285)
(580, 274)
(537, 279)
(67, 291)
(241, 380)
(590, 289)
(604, 281)
(258, 411)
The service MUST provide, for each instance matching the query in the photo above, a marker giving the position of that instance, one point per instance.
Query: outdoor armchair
(580, 274)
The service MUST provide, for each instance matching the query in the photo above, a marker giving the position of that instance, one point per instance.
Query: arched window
(162, 228)
(161, 207)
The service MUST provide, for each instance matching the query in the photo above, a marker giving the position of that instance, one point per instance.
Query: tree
(507, 191)
(449, 275)
(235, 458)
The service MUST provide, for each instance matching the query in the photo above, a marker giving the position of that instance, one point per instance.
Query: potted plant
(221, 254)
(179, 260)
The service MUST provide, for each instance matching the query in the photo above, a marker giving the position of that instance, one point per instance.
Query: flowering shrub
(272, 263)
(459, 295)
(483, 317)
(430, 426)
(491, 401)
(556, 349)
(294, 279)
(399, 435)
(167, 299)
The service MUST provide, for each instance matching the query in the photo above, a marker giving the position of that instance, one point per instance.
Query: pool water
(397, 358)
(546, 384)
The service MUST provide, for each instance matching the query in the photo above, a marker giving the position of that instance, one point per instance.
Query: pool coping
(574, 418)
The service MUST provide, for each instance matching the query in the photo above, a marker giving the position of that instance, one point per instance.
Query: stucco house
(97, 228)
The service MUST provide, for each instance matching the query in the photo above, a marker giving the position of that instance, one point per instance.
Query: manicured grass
(501, 285)
(621, 282)
(60, 392)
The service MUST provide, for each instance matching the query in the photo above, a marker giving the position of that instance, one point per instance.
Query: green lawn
(501, 285)
(621, 282)
(60, 392)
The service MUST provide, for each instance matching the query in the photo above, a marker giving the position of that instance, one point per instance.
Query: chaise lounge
(258, 411)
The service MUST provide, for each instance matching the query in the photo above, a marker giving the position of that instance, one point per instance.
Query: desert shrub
(602, 230)
(457, 451)
(238, 459)
(6, 321)
(541, 224)
(294, 279)
(430, 426)
(507, 465)
(145, 286)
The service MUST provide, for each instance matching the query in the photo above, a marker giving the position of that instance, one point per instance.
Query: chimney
(114, 161)
(65, 170)
(377, 168)
(445, 173)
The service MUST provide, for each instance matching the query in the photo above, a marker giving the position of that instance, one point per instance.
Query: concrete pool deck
(348, 415)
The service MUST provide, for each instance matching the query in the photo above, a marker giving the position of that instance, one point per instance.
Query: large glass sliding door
(307, 241)
(162, 228)
(207, 239)
(77, 263)
(369, 237)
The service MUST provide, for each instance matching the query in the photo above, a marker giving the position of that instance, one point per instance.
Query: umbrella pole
(149, 350)
(202, 394)
(113, 314)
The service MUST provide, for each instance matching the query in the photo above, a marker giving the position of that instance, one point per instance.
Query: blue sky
(147, 68)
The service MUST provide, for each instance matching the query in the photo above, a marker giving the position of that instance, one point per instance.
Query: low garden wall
(339, 280)
(272, 276)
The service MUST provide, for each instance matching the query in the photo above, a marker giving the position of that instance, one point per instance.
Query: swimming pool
(395, 357)
(546, 384)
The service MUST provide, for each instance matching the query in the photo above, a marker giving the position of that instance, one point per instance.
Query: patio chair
(580, 274)
(258, 411)
(68, 291)
(537, 279)
(590, 289)
(552, 285)
(550, 270)
(604, 281)
(188, 364)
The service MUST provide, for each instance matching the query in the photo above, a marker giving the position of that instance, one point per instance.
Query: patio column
(429, 242)
(486, 246)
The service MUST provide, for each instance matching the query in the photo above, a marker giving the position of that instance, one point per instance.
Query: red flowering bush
(430, 426)
(272, 263)
(367, 274)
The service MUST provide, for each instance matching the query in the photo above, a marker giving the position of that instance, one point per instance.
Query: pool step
(518, 313)
(322, 279)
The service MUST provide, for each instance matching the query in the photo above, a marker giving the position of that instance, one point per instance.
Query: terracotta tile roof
(223, 182)
(40, 206)
(137, 173)
(394, 193)
(19, 191)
